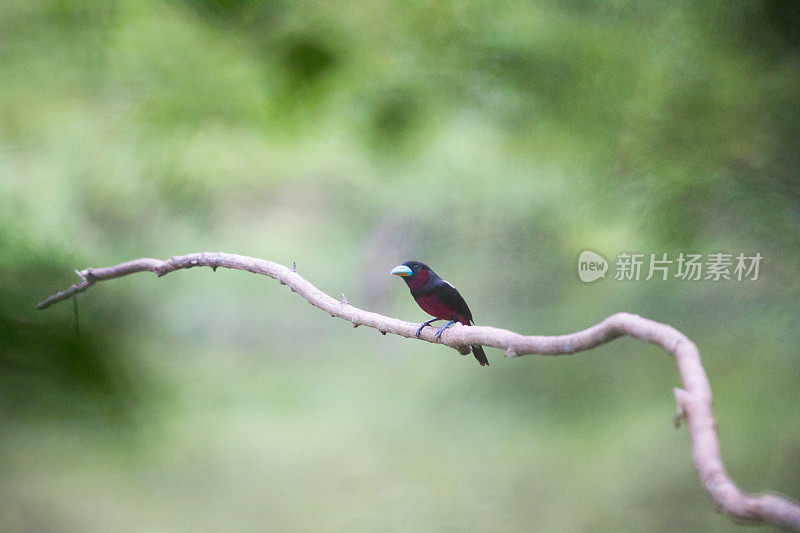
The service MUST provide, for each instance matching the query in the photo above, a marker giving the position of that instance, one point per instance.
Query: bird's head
(414, 273)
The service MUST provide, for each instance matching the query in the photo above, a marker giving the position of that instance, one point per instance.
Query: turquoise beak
(401, 270)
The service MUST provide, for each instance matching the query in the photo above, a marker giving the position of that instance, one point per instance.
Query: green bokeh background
(493, 140)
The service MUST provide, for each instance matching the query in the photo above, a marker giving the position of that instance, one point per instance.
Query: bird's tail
(480, 355)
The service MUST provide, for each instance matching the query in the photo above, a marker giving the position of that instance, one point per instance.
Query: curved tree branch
(693, 400)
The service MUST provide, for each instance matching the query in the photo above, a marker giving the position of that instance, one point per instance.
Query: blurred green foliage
(495, 141)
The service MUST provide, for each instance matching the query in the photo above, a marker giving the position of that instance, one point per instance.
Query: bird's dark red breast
(433, 305)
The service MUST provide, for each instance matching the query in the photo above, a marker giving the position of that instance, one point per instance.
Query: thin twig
(693, 400)
(75, 312)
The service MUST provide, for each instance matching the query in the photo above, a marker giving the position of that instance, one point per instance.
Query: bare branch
(693, 400)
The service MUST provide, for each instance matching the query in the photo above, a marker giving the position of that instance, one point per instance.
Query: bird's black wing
(450, 297)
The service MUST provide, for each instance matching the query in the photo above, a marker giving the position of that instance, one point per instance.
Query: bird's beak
(401, 270)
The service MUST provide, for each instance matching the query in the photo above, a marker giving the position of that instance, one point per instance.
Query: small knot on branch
(512, 352)
(681, 396)
(680, 415)
(88, 275)
(294, 267)
(217, 261)
(344, 299)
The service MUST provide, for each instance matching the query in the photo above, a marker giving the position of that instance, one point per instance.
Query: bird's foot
(426, 323)
(441, 329)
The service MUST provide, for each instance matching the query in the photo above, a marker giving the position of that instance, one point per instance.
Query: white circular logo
(591, 266)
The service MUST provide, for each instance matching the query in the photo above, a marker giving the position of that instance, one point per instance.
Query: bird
(438, 298)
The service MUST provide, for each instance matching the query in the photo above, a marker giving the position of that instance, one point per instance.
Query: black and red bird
(438, 298)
